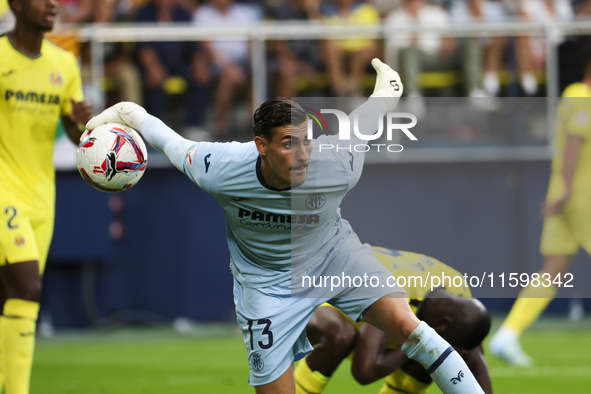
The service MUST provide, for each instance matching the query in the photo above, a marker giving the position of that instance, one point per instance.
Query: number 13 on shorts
(266, 332)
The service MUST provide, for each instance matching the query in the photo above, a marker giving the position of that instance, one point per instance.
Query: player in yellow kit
(450, 310)
(567, 218)
(39, 84)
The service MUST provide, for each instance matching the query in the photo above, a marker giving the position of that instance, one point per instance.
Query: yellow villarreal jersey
(574, 117)
(413, 265)
(35, 92)
(418, 270)
(363, 14)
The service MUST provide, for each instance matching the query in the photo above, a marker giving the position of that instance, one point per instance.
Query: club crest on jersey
(19, 240)
(316, 201)
(257, 362)
(56, 79)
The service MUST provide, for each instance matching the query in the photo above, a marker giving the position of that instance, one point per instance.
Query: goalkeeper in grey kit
(271, 180)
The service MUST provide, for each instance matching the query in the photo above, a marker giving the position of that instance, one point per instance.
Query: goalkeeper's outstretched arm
(384, 99)
(154, 131)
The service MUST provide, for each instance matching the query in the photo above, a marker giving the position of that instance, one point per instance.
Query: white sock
(491, 82)
(529, 83)
(442, 362)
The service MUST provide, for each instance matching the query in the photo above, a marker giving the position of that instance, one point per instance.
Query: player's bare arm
(475, 360)
(373, 359)
(333, 337)
(81, 113)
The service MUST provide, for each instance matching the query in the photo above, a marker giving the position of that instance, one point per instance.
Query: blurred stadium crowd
(212, 79)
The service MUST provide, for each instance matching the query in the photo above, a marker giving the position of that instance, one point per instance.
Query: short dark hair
(277, 112)
(477, 329)
(470, 320)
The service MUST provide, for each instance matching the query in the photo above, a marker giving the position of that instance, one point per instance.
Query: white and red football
(111, 157)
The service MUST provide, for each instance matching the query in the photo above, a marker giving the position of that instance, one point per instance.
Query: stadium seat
(428, 80)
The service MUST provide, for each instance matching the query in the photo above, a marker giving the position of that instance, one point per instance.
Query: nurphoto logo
(392, 124)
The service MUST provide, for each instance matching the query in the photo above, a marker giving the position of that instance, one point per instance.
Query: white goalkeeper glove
(125, 112)
(388, 83)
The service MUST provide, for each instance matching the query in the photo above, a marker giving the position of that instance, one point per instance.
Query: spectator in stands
(571, 62)
(118, 65)
(229, 61)
(296, 58)
(488, 11)
(430, 51)
(190, 5)
(128, 8)
(160, 61)
(75, 11)
(384, 7)
(354, 52)
(531, 50)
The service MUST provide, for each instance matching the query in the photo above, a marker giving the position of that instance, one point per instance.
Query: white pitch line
(583, 370)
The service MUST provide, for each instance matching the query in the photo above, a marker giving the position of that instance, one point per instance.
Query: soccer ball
(111, 157)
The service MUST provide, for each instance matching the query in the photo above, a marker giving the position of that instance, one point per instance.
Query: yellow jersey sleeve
(74, 87)
(578, 120)
(417, 269)
(575, 110)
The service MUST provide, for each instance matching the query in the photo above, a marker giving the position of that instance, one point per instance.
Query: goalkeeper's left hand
(127, 113)
(388, 83)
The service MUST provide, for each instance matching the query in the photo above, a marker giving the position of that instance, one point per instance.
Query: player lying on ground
(262, 186)
(40, 85)
(462, 321)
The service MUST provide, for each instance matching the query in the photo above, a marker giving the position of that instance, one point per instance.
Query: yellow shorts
(24, 236)
(401, 382)
(563, 234)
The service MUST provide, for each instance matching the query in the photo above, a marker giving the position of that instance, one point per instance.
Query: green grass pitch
(212, 359)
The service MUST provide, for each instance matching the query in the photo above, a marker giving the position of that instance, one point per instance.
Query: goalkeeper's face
(287, 156)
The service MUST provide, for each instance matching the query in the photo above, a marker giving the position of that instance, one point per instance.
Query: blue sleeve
(198, 163)
(206, 162)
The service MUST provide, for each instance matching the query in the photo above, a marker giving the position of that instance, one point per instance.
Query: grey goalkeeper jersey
(270, 230)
